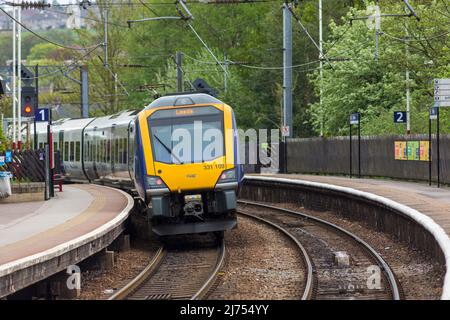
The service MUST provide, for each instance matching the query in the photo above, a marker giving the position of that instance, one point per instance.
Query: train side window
(103, 151)
(100, 151)
(125, 150)
(117, 150)
(72, 151)
(88, 151)
(120, 151)
(78, 151)
(66, 151)
(108, 151)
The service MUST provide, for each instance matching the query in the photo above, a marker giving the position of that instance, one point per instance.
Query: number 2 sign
(400, 117)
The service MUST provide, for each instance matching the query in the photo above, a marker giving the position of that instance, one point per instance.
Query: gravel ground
(97, 284)
(419, 276)
(261, 264)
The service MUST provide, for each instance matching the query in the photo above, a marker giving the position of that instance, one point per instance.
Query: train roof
(120, 118)
(68, 124)
(183, 99)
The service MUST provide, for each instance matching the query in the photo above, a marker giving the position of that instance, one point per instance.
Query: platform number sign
(434, 113)
(400, 117)
(42, 115)
(354, 118)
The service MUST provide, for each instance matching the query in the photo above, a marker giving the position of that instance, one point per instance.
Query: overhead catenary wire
(193, 2)
(407, 40)
(85, 17)
(116, 78)
(68, 67)
(207, 48)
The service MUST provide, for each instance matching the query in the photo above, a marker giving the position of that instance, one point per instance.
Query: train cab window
(72, 151)
(166, 124)
(66, 151)
(78, 151)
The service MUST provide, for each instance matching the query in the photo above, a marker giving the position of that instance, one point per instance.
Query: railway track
(182, 273)
(321, 241)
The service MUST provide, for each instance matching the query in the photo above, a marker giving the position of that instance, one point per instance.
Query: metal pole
(19, 73)
(50, 148)
(36, 106)
(408, 90)
(429, 151)
(359, 147)
(438, 151)
(116, 98)
(350, 139)
(225, 75)
(179, 62)
(84, 92)
(321, 66)
(287, 68)
(14, 67)
(105, 34)
(377, 30)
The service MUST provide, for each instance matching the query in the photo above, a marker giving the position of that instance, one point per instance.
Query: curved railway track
(186, 273)
(320, 239)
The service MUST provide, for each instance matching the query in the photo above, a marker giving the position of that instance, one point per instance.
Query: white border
(425, 221)
(59, 250)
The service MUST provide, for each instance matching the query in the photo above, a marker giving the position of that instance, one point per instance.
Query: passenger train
(179, 155)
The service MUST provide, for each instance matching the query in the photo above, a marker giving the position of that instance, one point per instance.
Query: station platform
(38, 239)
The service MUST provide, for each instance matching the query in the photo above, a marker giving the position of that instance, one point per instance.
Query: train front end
(186, 164)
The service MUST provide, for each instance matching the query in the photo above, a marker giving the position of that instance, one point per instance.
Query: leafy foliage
(246, 38)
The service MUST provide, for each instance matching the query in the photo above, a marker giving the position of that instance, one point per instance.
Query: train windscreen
(187, 135)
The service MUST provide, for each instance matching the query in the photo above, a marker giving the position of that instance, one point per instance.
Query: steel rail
(127, 290)
(381, 262)
(153, 266)
(308, 291)
(203, 291)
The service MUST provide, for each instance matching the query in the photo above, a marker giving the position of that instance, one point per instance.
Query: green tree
(3, 140)
(358, 83)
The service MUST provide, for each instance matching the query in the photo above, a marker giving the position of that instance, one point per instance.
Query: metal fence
(27, 165)
(332, 156)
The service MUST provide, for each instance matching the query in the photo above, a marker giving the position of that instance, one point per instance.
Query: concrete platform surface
(34, 227)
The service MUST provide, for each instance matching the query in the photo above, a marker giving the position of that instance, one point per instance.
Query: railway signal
(2, 88)
(28, 101)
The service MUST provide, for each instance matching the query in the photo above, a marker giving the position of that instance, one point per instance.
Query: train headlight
(155, 182)
(228, 176)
